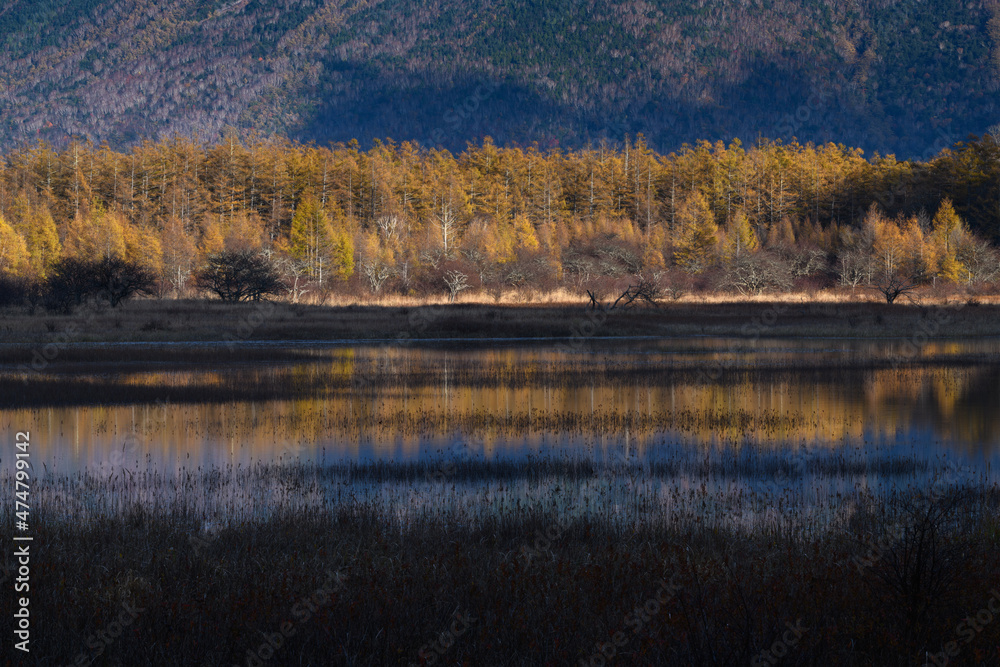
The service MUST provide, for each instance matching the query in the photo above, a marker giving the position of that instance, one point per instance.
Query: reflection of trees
(975, 418)
(957, 404)
(394, 398)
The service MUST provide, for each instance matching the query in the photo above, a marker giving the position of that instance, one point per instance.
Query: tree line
(403, 219)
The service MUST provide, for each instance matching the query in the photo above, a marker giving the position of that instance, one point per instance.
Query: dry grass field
(793, 315)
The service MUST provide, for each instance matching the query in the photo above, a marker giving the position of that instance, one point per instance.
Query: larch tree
(212, 239)
(946, 224)
(342, 253)
(314, 239)
(143, 246)
(311, 237)
(524, 233)
(14, 256)
(244, 230)
(919, 255)
(179, 253)
(740, 237)
(783, 234)
(948, 228)
(652, 251)
(696, 234)
(96, 233)
(889, 246)
(35, 225)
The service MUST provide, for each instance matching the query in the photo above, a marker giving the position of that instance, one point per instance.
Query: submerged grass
(879, 556)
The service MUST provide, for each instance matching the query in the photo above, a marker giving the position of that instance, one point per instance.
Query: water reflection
(358, 403)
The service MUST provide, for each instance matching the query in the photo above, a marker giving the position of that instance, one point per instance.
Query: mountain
(893, 76)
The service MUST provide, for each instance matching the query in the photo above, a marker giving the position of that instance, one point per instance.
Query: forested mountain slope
(883, 75)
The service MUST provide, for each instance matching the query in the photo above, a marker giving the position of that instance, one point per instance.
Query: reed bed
(474, 488)
(879, 554)
(749, 490)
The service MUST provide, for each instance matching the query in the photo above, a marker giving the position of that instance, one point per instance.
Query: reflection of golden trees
(500, 398)
(952, 401)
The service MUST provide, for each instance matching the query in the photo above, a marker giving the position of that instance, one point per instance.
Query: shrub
(755, 273)
(17, 290)
(239, 275)
(69, 283)
(121, 280)
(74, 280)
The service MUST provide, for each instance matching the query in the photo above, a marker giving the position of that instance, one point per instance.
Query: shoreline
(194, 322)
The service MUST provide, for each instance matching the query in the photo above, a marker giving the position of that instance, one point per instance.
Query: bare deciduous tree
(239, 275)
(296, 273)
(389, 226)
(74, 280)
(580, 267)
(755, 273)
(623, 257)
(456, 282)
(377, 272)
(644, 291)
(404, 272)
(122, 279)
(853, 268)
(807, 262)
(447, 222)
(893, 287)
(981, 262)
(432, 258)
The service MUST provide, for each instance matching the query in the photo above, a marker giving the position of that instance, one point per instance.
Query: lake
(513, 399)
(744, 433)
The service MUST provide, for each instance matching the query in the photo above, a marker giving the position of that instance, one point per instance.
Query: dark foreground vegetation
(903, 580)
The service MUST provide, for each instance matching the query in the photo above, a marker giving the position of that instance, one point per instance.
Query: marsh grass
(205, 320)
(218, 558)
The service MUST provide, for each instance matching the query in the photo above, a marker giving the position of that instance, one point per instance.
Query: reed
(551, 556)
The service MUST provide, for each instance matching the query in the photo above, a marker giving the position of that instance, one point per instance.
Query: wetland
(545, 493)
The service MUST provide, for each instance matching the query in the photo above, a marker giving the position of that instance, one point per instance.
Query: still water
(498, 400)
